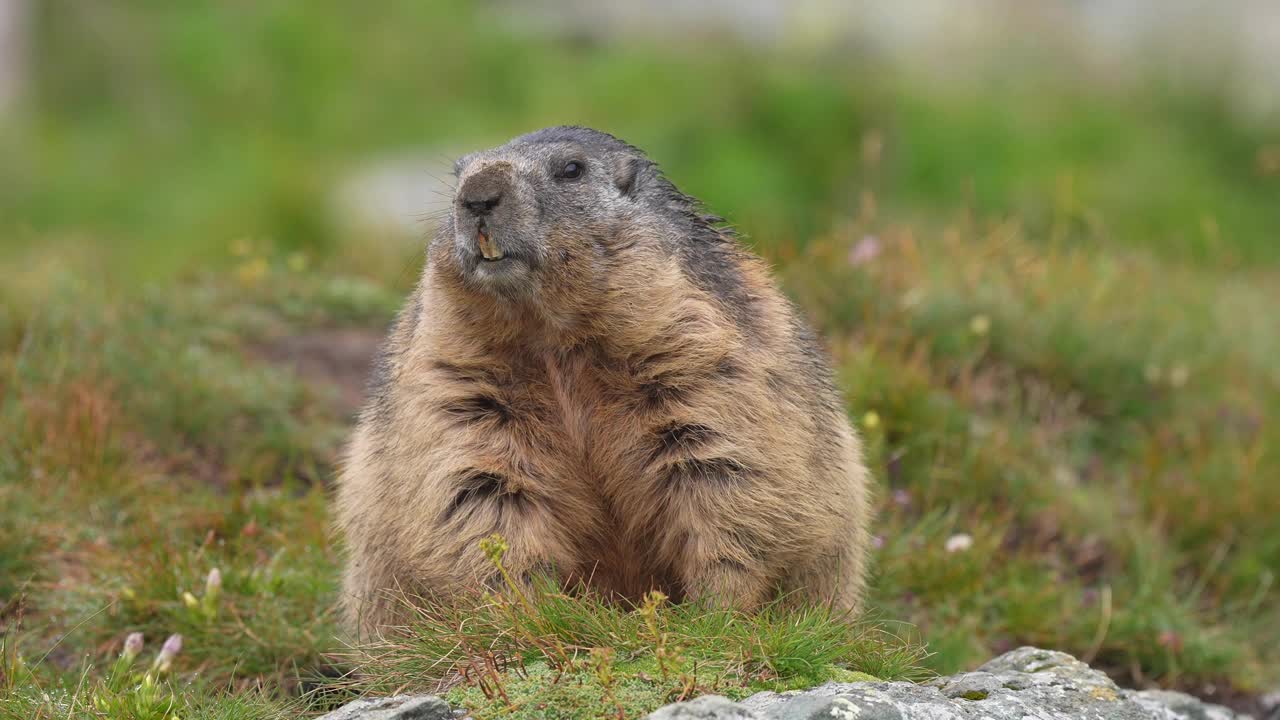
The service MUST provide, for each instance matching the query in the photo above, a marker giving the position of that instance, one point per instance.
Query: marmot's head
(554, 211)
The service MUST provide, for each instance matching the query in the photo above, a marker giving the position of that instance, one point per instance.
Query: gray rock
(1027, 683)
(1167, 705)
(707, 707)
(1270, 703)
(398, 707)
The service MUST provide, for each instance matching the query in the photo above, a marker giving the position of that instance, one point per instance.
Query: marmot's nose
(482, 192)
(482, 207)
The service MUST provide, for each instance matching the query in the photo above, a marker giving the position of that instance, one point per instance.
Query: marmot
(597, 370)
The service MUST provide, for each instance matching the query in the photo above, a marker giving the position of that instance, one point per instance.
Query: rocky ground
(1024, 683)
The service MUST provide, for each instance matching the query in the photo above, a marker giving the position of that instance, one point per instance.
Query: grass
(137, 459)
(1100, 420)
(1051, 310)
(539, 652)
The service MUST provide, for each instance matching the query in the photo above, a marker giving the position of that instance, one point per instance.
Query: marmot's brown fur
(598, 372)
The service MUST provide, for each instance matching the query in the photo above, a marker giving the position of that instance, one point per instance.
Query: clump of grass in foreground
(537, 652)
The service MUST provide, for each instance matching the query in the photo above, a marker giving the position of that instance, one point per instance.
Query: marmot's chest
(581, 393)
(581, 416)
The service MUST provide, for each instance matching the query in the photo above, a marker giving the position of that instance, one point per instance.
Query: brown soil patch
(337, 358)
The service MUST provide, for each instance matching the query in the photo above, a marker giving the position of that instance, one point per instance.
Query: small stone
(707, 707)
(399, 707)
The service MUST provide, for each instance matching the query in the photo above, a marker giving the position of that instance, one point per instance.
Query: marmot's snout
(486, 218)
(482, 191)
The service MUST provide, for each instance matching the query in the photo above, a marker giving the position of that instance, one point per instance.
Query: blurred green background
(166, 129)
(1047, 265)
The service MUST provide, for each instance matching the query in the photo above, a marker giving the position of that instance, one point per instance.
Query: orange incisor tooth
(488, 247)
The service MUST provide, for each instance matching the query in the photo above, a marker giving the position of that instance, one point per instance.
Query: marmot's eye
(571, 170)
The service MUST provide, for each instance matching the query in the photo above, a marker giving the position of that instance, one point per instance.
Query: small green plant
(129, 694)
(603, 667)
(120, 669)
(13, 669)
(206, 606)
(529, 621)
(649, 611)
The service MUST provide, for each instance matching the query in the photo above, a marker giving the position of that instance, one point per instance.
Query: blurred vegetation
(1050, 295)
(205, 121)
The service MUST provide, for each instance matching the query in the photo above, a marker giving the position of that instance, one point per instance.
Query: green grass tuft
(538, 652)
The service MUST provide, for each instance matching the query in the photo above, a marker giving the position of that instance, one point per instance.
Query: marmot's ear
(627, 175)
